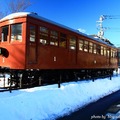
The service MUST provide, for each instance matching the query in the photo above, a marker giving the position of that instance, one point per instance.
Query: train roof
(34, 15)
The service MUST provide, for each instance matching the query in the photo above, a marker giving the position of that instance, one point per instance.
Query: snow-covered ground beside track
(50, 102)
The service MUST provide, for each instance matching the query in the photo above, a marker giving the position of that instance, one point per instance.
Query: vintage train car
(31, 45)
(119, 57)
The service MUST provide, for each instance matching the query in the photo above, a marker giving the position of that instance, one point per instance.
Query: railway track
(11, 88)
(7, 89)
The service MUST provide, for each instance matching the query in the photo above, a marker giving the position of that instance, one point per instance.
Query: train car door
(32, 45)
(72, 50)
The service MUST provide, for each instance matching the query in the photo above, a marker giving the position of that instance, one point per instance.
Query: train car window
(90, 47)
(94, 49)
(111, 53)
(81, 45)
(108, 52)
(86, 46)
(63, 40)
(54, 38)
(16, 32)
(98, 49)
(44, 30)
(72, 43)
(105, 52)
(44, 35)
(114, 54)
(32, 33)
(4, 34)
(102, 50)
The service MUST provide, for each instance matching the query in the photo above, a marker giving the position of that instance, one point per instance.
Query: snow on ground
(50, 102)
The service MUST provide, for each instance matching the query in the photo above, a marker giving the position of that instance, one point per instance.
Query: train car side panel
(13, 39)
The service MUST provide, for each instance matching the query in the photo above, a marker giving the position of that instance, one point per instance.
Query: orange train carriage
(33, 48)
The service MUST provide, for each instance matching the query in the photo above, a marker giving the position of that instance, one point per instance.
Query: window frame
(90, 47)
(102, 50)
(63, 37)
(81, 44)
(7, 36)
(32, 41)
(43, 35)
(54, 37)
(98, 49)
(17, 35)
(108, 52)
(105, 51)
(86, 46)
(95, 48)
(72, 43)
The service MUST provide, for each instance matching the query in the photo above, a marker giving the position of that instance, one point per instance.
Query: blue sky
(81, 14)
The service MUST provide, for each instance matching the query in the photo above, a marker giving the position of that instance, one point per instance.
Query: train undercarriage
(31, 78)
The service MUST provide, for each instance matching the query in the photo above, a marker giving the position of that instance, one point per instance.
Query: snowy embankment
(50, 102)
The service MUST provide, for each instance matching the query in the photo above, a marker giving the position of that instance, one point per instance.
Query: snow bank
(50, 102)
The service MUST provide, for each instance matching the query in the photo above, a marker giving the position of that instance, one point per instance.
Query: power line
(100, 24)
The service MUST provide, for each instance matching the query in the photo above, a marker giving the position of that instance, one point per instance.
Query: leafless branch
(18, 5)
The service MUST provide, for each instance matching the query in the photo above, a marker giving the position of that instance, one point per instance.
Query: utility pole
(100, 26)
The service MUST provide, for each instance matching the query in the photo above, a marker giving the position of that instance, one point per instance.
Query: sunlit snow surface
(50, 102)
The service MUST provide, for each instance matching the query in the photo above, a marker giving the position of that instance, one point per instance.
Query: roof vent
(34, 13)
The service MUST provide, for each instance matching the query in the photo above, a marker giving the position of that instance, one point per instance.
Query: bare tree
(14, 6)
(18, 5)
